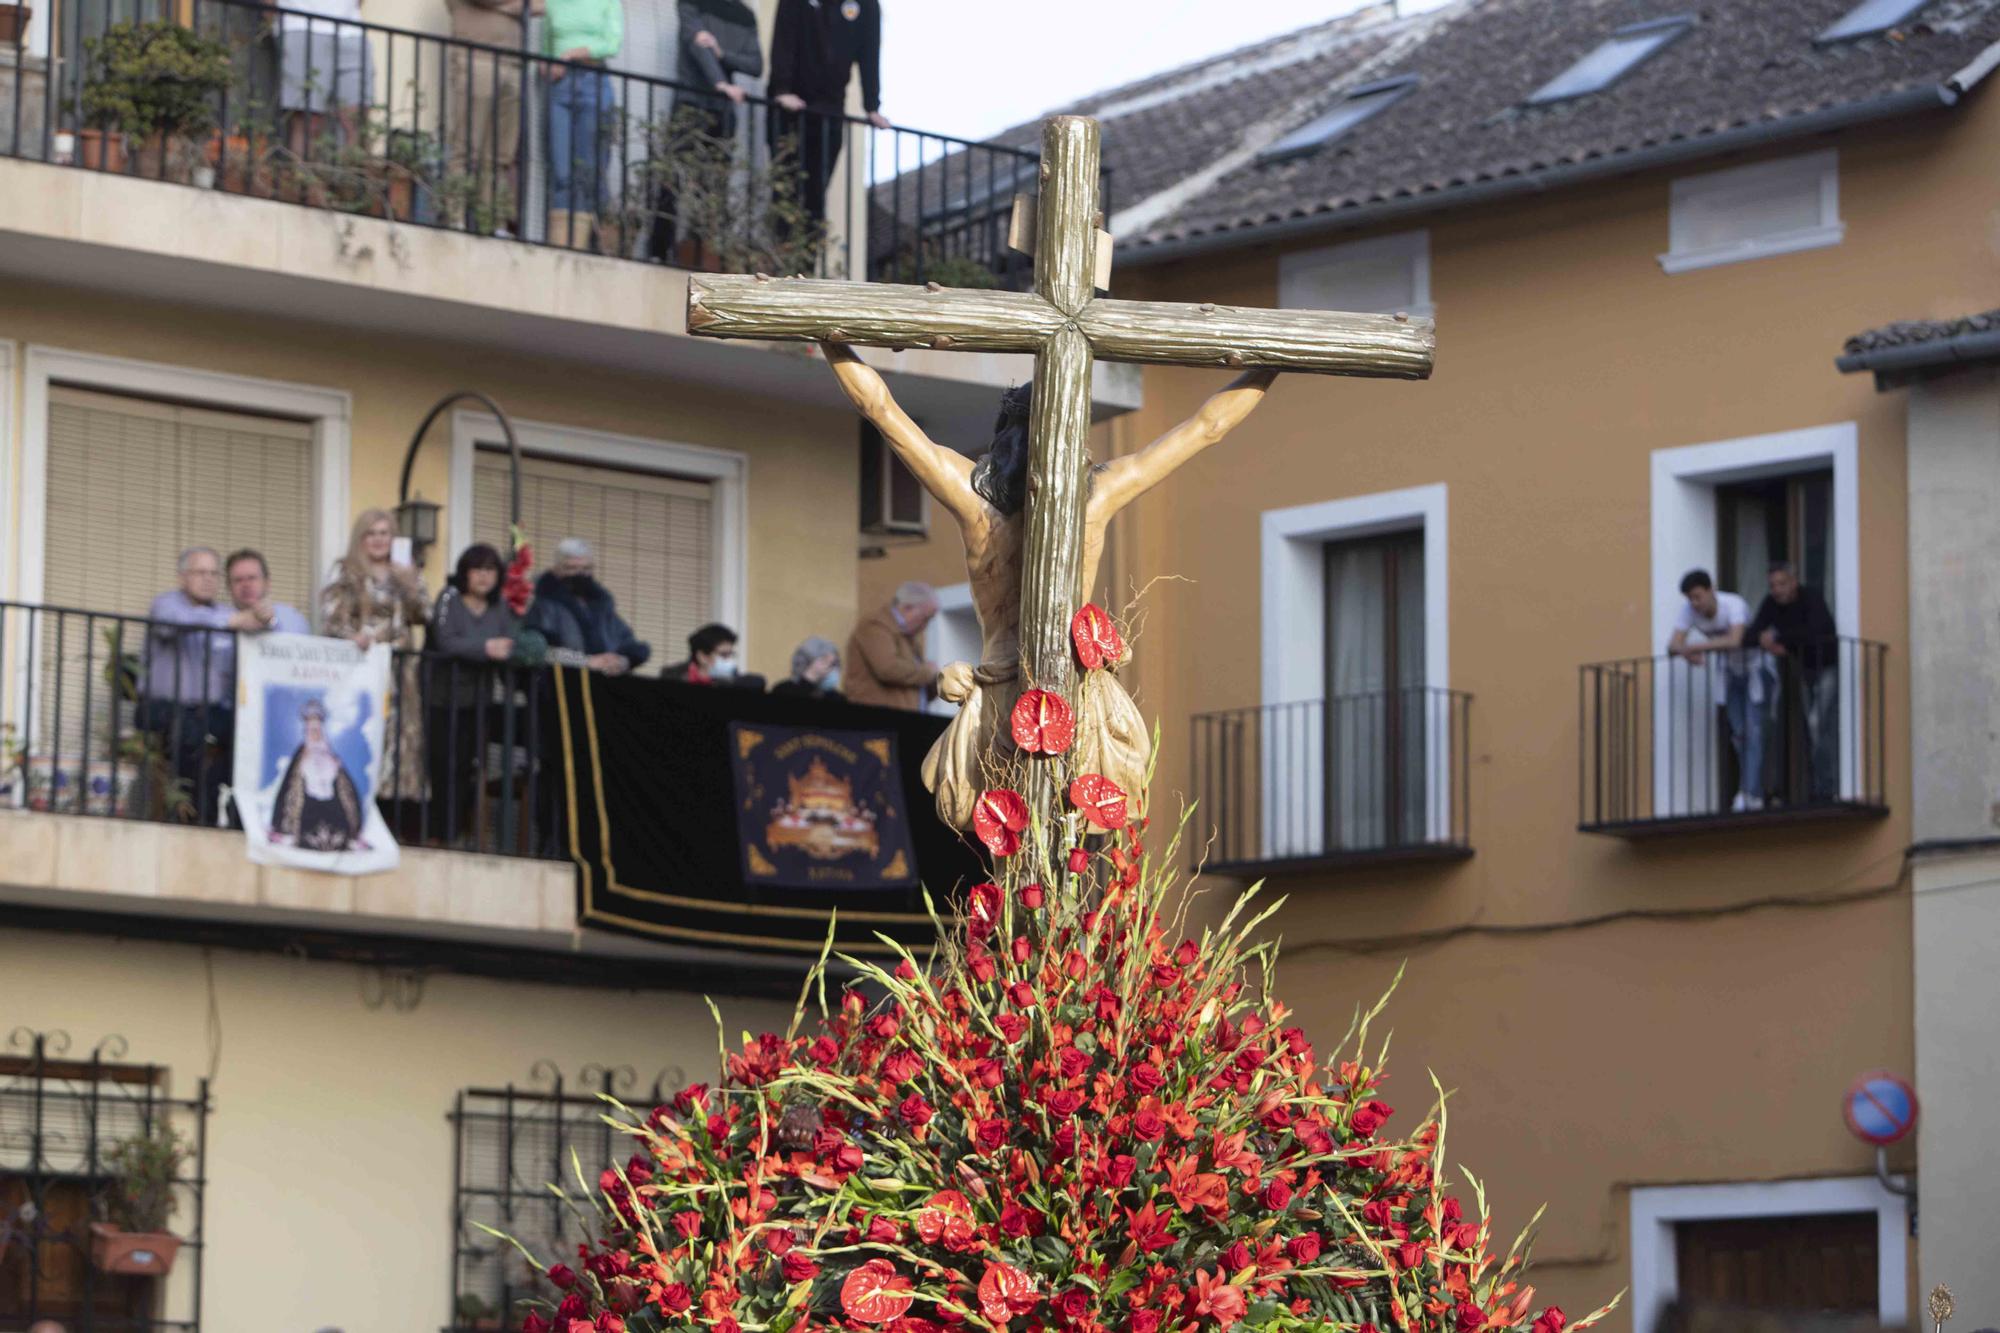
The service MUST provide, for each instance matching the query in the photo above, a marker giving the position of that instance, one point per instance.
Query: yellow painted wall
(329, 1200)
(801, 487)
(1612, 1014)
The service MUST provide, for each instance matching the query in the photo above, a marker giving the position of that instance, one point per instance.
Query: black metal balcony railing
(1363, 777)
(1740, 738)
(124, 718)
(489, 140)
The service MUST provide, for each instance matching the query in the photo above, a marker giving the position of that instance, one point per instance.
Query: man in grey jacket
(718, 45)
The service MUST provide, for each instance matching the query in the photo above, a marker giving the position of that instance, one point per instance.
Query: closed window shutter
(652, 535)
(131, 484)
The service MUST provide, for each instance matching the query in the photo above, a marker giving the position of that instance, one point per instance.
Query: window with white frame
(1767, 208)
(1384, 275)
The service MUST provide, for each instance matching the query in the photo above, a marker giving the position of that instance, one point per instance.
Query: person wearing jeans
(582, 108)
(1709, 630)
(1795, 626)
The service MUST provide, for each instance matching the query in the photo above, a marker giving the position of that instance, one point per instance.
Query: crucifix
(1029, 571)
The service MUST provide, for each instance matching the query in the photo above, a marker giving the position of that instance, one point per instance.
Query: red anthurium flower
(1043, 723)
(1100, 799)
(1000, 818)
(1098, 643)
(1004, 1292)
(876, 1293)
(982, 903)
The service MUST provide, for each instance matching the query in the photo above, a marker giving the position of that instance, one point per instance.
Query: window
(1384, 275)
(1360, 104)
(893, 501)
(1768, 208)
(1871, 16)
(1614, 58)
(1376, 715)
(651, 533)
(1817, 1264)
(62, 1117)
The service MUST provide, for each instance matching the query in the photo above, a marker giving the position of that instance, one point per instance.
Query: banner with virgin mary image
(310, 723)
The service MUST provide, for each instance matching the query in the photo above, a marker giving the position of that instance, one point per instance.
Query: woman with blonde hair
(370, 599)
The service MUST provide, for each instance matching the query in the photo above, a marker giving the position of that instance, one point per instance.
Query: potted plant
(14, 20)
(134, 1238)
(155, 83)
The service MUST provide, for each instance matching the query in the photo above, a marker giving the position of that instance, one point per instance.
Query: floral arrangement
(1073, 1118)
(517, 586)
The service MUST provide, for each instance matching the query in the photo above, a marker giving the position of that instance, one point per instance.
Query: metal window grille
(509, 1145)
(60, 1119)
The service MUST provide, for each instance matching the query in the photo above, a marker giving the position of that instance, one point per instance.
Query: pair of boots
(576, 230)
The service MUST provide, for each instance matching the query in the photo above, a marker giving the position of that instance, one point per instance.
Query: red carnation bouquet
(1072, 1117)
(517, 588)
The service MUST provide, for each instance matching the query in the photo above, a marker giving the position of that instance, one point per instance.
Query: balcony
(383, 122)
(1358, 780)
(1656, 754)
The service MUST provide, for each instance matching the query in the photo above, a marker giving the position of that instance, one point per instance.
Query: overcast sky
(971, 68)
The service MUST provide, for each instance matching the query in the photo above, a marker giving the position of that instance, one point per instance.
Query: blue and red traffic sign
(1880, 1109)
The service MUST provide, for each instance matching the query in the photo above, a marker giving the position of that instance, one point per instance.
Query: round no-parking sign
(1880, 1109)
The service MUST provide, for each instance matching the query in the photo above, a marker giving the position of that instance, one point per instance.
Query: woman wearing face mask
(815, 671)
(711, 658)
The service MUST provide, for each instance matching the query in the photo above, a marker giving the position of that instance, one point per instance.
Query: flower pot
(141, 1253)
(239, 164)
(100, 150)
(165, 157)
(14, 24)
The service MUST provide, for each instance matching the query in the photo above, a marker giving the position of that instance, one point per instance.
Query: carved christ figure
(987, 498)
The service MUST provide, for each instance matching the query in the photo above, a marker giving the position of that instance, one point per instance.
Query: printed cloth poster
(819, 809)
(311, 717)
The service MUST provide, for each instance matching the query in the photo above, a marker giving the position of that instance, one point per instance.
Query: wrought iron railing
(505, 141)
(510, 1145)
(62, 1119)
(122, 717)
(1740, 736)
(1364, 776)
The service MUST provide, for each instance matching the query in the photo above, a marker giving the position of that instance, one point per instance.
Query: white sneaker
(1745, 803)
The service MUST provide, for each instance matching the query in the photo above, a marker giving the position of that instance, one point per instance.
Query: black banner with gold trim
(743, 820)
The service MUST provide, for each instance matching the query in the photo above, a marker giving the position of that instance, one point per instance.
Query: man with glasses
(189, 679)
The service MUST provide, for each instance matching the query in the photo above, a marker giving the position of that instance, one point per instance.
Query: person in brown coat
(885, 656)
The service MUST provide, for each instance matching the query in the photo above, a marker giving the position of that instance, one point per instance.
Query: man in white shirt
(1709, 629)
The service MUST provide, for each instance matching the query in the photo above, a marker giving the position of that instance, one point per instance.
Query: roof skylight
(1871, 16)
(1612, 59)
(1360, 103)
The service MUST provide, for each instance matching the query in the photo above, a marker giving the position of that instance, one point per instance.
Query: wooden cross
(1065, 326)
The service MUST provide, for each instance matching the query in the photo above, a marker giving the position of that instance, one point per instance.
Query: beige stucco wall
(801, 497)
(329, 1201)
(1612, 1014)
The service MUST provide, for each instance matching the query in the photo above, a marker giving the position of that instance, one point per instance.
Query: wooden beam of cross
(1065, 326)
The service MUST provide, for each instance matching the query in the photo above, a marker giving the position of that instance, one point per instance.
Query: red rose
(1145, 1079)
(915, 1112)
(1096, 638)
(1411, 1255)
(571, 1306)
(990, 1134)
(1376, 1212)
(1452, 1211)
(608, 1323)
(884, 1231)
(532, 1322)
(1147, 1127)
(1062, 1105)
(824, 1051)
(1073, 1305)
(798, 1267)
(1551, 1320)
(1017, 1221)
(987, 1073)
(1000, 818)
(1079, 860)
(1031, 897)
(982, 908)
(1165, 974)
(884, 1026)
(1119, 1171)
(780, 1241)
(675, 1298)
(1238, 1257)
(1303, 1249)
(1101, 800)
(1072, 1061)
(1042, 722)
(562, 1275)
(1022, 949)
(876, 1293)
(1468, 1317)
(1144, 1321)
(1011, 1026)
(1186, 952)
(1022, 995)
(982, 966)
(728, 1324)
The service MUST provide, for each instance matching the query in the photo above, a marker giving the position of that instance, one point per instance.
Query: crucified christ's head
(1001, 474)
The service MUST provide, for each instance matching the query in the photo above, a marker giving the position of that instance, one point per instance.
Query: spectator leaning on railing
(1709, 631)
(1795, 626)
(190, 676)
(718, 44)
(472, 637)
(482, 109)
(815, 46)
(579, 618)
(581, 109)
(369, 600)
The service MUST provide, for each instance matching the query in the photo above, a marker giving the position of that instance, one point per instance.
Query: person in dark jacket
(711, 658)
(578, 617)
(815, 47)
(815, 671)
(718, 45)
(1794, 625)
(471, 638)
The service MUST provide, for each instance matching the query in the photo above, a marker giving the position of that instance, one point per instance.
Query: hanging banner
(310, 720)
(819, 808)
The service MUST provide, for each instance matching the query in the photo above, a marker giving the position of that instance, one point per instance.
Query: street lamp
(416, 518)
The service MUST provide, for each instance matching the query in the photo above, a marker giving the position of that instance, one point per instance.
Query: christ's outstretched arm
(1124, 480)
(945, 473)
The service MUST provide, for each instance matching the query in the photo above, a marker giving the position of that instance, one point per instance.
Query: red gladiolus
(688, 1223)
(1095, 637)
(798, 1267)
(906, 971)
(517, 588)
(1042, 722)
(1004, 1292)
(876, 1293)
(1100, 799)
(1079, 860)
(1000, 818)
(1551, 1320)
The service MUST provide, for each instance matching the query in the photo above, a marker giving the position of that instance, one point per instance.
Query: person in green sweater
(585, 34)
